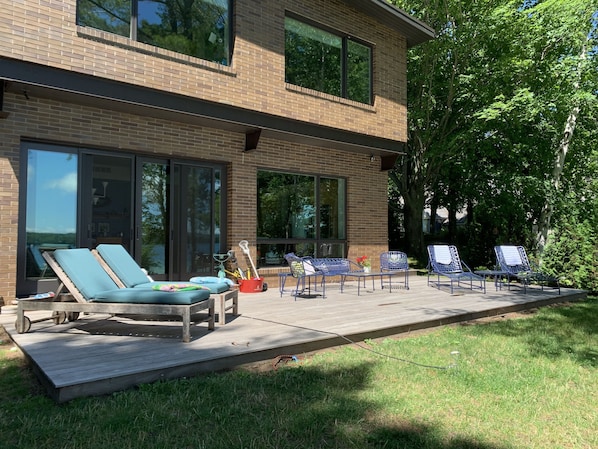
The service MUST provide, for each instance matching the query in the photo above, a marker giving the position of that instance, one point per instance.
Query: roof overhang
(414, 30)
(41, 81)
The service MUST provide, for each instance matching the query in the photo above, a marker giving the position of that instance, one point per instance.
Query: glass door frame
(26, 286)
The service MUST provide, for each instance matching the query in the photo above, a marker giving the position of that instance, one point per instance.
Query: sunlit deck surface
(100, 354)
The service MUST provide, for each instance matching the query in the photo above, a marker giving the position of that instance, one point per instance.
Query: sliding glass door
(152, 232)
(168, 214)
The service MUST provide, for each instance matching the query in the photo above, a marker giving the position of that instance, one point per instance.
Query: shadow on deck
(100, 354)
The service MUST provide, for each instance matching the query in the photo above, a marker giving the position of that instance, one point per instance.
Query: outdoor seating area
(445, 269)
(304, 269)
(307, 268)
(108, 280)
(444, 262)
(125, 272)
(513, 261)
(87, 288)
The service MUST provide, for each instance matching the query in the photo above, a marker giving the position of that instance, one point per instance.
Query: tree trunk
(559, 164)
(452, 223)
(414, 224)
(433, 214)
(557, 171)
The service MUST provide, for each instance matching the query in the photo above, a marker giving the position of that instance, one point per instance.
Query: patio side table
(498, 276)
(361, 275)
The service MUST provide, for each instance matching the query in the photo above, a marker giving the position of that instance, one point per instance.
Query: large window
(301, 214)
(199, 28)
(327, 62)
(169, 214)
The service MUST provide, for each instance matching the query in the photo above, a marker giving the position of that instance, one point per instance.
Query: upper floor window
(199, 28)
(327, 62)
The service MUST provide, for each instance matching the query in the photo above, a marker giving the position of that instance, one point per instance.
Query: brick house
(180, 133)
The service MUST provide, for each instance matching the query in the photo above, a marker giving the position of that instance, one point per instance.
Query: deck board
(100, 354)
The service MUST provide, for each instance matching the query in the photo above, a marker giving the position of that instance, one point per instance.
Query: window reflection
(286, 205)
(301, 214)
(330, 63)
(199, 28)
(112, 16)
(51, 216)
(313, 57)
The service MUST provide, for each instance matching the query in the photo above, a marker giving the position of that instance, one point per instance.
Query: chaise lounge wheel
(26, 325)
(59, 317)
(72, 316)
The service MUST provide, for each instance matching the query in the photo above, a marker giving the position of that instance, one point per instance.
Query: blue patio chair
(303, 270)
(514, 261)
(123, 270)
(395, 261)
(444, 260)
(94, 291)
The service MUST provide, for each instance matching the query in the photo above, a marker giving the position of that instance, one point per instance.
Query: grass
(524, 382)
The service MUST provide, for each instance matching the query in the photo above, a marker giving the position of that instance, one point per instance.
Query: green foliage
(488, 103)
(572, 253)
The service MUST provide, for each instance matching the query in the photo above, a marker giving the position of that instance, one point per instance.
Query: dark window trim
(133, 31)
(345, 51)
(317, 240)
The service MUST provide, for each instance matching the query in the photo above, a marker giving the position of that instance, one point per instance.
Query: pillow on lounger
(214, 284)
(211, 280)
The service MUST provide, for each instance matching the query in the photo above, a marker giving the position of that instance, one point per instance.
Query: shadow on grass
(293, 407)
(557, 331)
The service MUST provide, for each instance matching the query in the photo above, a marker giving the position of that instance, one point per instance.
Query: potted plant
(364, 262)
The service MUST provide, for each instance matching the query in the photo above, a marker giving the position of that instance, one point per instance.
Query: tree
(441, 102)
(487, 103)
(574, 39)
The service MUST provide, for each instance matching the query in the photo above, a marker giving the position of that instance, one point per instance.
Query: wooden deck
(100, 354)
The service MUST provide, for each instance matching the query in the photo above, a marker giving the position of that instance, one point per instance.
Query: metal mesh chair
(394, 261)
(303, 270)
(444, 261)
(514, 261)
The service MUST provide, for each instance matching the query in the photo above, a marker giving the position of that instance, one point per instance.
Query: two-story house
(181, 128)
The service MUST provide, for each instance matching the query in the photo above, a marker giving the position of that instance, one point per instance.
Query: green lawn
(529, 381)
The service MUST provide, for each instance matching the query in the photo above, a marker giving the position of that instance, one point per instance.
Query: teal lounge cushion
(123, 265)
(127, 270)
(149, 296)
(203, 280)
(217, 288)
(85, 271)
(215, 284)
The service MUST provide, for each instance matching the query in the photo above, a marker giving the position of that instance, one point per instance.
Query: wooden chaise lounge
(125, 272)
(93, 291)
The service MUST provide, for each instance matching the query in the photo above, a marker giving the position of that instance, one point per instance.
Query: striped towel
(511, 255)
(177, 287)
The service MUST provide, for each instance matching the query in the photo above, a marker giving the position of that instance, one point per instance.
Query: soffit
(33, 80)
(414, 30)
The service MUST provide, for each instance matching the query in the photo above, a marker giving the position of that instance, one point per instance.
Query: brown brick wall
(69, 124)
(46, 33)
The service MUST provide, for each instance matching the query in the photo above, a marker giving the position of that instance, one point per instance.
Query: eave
(414, 30)
(67, 86)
